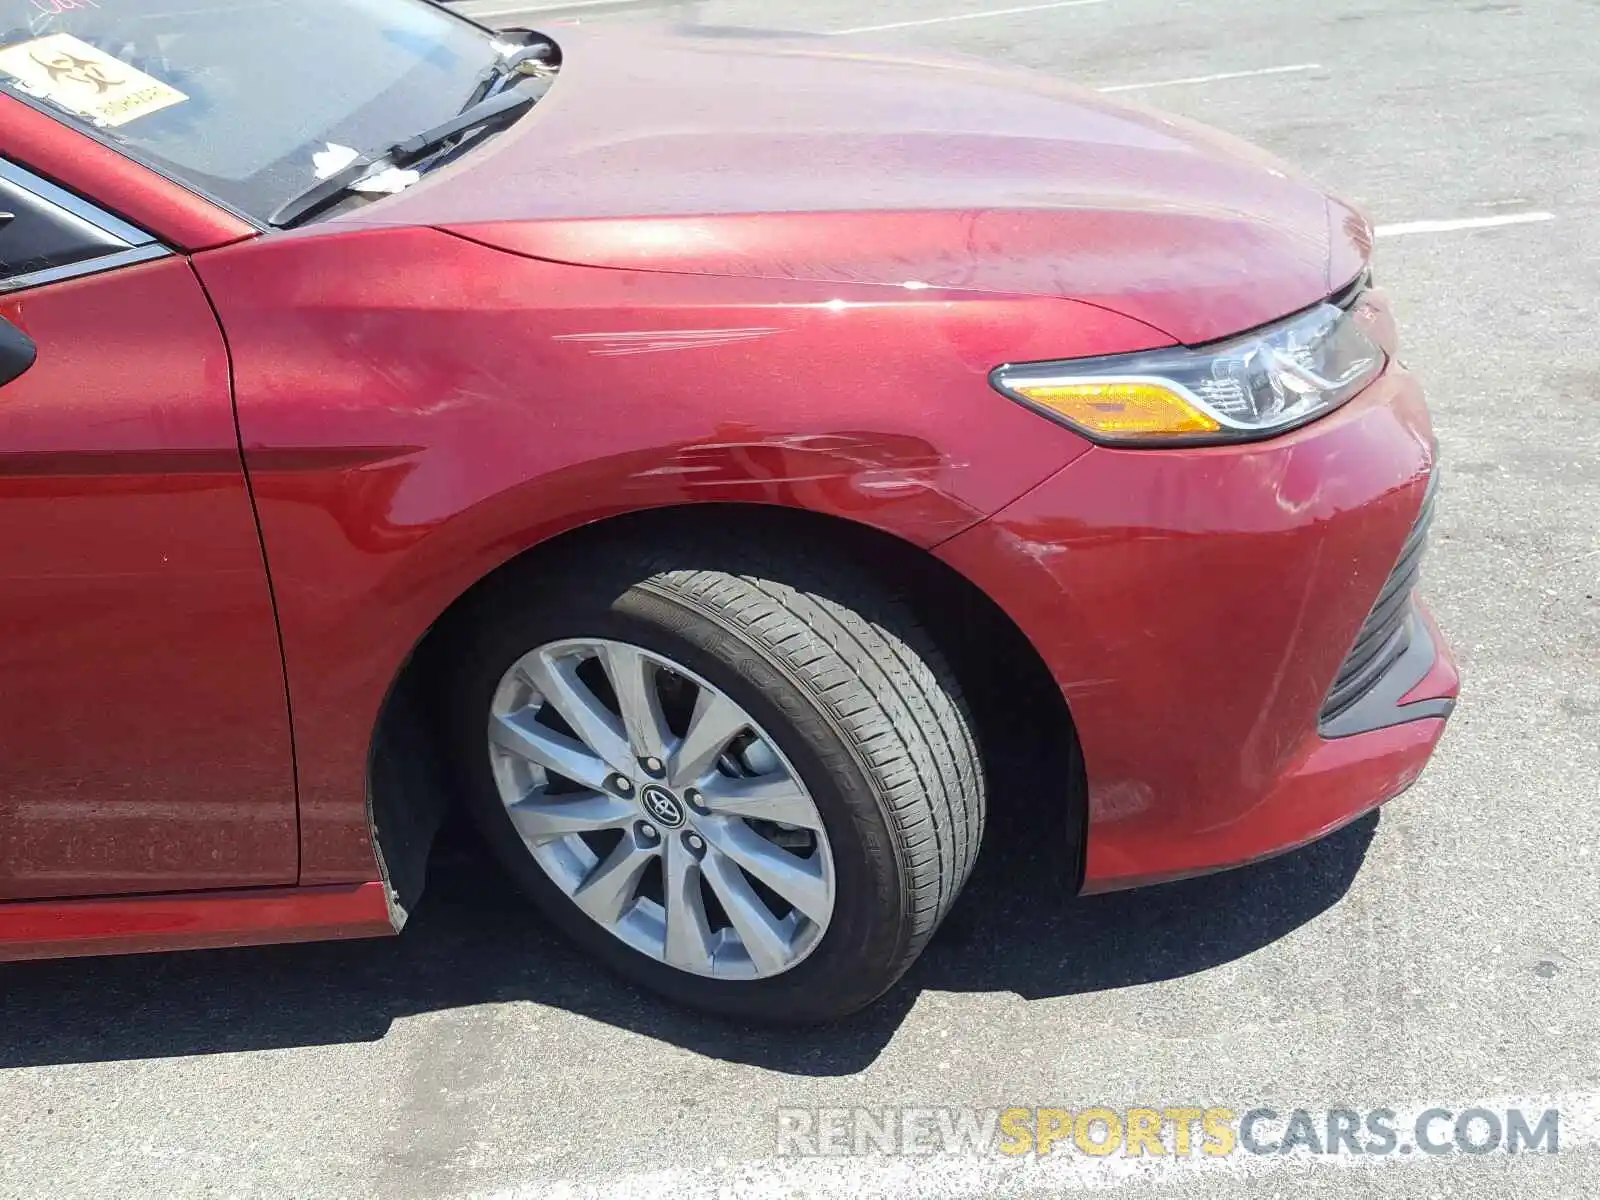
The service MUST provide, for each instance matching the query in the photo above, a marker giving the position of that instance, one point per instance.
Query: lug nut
(695, 800)
(621, 785)
(653, 765)
(646, 831)
(695, 843)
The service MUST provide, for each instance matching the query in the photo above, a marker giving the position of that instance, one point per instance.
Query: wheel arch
(1025, 730)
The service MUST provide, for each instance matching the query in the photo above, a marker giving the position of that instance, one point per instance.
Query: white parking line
(971, 16)
(1134, 87)
(478, 13)
(1405, 227)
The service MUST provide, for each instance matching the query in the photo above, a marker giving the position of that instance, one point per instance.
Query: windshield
(234, 97)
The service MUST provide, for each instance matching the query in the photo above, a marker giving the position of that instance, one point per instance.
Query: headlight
(1245, 388)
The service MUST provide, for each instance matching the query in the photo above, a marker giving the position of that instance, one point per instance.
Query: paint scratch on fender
(618, 343)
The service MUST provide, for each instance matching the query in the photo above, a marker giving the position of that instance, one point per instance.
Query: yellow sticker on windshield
(89, 82)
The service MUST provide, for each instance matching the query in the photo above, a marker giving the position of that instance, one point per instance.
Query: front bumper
(1195, 608)
(1333, 781)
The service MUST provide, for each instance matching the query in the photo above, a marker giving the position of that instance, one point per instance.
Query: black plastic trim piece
(1380, 707)
(1346, 296)
(87, 266)
(1385, 635)
(73, 203)
(123, 244)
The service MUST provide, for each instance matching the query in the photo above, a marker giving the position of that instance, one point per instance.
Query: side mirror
(17, 352)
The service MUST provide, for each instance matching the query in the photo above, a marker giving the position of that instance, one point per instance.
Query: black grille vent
(1387, 631)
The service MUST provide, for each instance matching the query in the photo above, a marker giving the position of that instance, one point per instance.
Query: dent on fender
(858, 475)
(850, 473)
(359, 484)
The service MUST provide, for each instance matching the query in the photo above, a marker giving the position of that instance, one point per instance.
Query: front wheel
(750, 785)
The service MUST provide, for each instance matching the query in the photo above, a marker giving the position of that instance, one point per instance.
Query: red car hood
(717, 152)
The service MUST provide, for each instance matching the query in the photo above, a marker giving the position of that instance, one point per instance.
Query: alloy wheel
(661, 808)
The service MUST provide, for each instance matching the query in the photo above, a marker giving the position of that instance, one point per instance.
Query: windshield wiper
(497, 73)
(500, 109)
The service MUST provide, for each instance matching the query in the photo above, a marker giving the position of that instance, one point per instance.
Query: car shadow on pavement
(472, 941)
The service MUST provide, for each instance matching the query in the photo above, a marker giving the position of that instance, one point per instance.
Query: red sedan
(672, 452)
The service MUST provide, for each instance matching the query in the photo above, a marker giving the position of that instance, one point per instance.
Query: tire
(834, 671)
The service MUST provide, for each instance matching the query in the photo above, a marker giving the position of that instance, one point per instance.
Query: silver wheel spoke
(688, 938)
(518, 733)
(633, 678)
(556, 679)
(715, 819)
(763, 937)
(540, 818)
(797, 880)
(716, 721)
(610, 889)
(767, 798)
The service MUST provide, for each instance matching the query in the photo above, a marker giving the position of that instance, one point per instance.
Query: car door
(144, 736)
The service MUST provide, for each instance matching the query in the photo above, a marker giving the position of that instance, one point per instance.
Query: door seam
(266, 569)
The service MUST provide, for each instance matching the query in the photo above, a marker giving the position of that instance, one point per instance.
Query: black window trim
(139, 246)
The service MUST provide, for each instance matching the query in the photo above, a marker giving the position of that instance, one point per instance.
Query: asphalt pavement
(1443, 955)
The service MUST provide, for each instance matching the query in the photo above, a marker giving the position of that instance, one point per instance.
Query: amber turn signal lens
(1127, 409)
